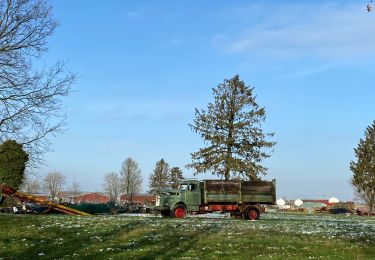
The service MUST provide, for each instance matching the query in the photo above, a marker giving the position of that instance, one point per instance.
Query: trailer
(239, 198)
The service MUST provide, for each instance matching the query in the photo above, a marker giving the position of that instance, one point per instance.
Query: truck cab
(177, 202)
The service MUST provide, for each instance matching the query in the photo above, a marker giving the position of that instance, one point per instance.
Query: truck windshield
(182, 187)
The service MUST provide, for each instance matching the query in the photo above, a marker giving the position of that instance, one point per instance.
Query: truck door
(193, 196)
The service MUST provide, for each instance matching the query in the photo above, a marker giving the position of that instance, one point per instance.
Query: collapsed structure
(24, 197)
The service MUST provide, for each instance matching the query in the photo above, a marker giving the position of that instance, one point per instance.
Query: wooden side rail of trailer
(24, 197)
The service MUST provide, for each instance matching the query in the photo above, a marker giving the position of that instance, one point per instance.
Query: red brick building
(138, 198)
(93, 197)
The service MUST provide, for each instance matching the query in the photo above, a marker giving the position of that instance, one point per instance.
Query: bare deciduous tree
(31, 185)
(52, 183)
(30, 98)
(131, 177)
(112, 185)
(75, 190)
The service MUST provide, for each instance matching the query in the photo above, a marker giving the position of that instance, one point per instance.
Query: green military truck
(240, 198)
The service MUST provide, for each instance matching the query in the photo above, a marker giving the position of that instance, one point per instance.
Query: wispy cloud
(318, 31)
(313, 70)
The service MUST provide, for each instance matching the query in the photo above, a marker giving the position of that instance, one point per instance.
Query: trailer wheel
(179, 211)
(252, 213)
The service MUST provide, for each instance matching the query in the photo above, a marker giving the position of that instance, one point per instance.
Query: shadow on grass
(161, 239)
(177, 243)
(55, 242)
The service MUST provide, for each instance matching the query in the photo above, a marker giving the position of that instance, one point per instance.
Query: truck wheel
(252, 213)
(179, 211)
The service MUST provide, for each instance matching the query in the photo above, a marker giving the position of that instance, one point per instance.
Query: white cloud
(320, 31)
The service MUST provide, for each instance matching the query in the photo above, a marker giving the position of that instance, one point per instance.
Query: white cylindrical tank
(280, 202)
(333, 200)
(298, 202)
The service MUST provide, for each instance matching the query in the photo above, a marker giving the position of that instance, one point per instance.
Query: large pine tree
(364, 167)
(231, 128)
(160, 178)
(176, 177)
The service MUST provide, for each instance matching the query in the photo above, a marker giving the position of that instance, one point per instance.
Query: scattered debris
(24, 197)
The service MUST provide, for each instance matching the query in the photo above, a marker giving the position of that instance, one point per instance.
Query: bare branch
(30, 100)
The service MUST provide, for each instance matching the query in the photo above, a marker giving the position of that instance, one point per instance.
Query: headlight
(157, 203)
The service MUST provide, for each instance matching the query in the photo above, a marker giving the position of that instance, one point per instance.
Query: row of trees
(129, 180)
(13, 162)
(51, 184)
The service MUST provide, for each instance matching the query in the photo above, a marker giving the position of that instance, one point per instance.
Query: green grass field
(276, 236)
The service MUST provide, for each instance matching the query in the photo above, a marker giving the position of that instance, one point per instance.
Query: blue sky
(144, 66)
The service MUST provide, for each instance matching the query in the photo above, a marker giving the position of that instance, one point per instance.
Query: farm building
(145, 199)
(93, 197)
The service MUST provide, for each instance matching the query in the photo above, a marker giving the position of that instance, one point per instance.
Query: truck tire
(252, 213)
(179, 211)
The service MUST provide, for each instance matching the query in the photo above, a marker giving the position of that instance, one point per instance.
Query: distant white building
(333, 200)
(280, 202)
(298, 202)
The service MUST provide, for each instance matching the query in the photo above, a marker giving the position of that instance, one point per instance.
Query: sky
(144, 66)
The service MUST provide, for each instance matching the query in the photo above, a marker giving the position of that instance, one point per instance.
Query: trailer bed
(219, 191)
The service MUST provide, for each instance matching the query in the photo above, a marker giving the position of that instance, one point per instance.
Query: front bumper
(160, 208)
